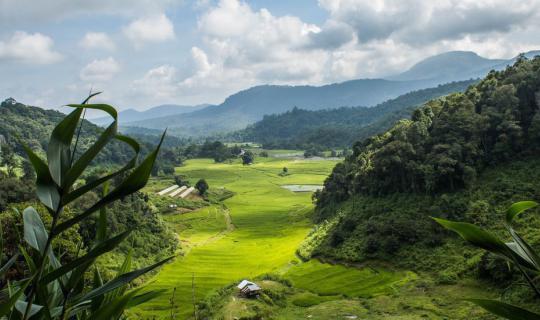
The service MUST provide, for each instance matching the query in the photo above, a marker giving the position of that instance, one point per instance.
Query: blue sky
(143, 53)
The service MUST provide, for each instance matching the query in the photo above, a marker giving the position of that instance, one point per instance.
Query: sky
(143, 53)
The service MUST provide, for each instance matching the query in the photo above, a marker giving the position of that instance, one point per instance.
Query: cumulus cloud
(97, 40)
(417, 21)
(100, 70)
(243, 47)
(158, 83)
(155, 28)
(34, 48)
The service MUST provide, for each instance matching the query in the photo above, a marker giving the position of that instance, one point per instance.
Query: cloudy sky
(143, 53)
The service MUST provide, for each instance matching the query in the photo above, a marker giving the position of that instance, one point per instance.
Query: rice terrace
(255, 232)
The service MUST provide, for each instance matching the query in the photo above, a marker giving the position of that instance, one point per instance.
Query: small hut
(248, 288)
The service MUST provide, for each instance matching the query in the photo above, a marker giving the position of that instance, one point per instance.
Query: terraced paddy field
(256, 231)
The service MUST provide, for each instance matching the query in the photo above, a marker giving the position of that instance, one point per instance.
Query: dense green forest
(338, 128)
(150, 239)
(465, 157)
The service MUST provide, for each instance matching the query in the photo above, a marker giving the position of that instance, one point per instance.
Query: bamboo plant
(56, 290)
(518, 252)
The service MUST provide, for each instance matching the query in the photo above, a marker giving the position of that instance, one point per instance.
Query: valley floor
(257, 232)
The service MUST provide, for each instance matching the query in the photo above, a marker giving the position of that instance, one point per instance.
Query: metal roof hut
(248, 288)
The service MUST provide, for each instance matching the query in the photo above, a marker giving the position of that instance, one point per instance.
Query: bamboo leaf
(517, 208)
(505, 310)
(82, 163)
(525, 250)
(94, 184)
(46, 188)
(133, 183)
(6, 307)
(120, 281)
(113, 309)
(101, 233)
(476, 236)
(59, 148)
(100, 249)
(485, 240)
(144, 297)
(8, 265)
(34, 230)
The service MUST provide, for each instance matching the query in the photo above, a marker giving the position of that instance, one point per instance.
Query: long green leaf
(35, 233)
(133, 183)
(8, 265)
(144, 297)
(485, 240)
(82, 163)
(59, 148)
(505, 310)
(475, 236)
(525, 250)
(101, 233)
(46, 188)
(120, 281)
(518, 208)
(113, 309)
(6, 307)
(94, 184)
(100, 249)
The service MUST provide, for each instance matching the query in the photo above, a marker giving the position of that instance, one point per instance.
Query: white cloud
(419, 21)
(28, 48)
(159, 83)
(97, 40)
(155, 28)
(100, 70)
(243, 47)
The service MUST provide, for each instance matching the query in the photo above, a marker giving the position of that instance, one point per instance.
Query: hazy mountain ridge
(130, 115)
(455, 65)
(340, 127)
(248, 106)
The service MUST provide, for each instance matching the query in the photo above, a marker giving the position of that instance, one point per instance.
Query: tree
(202, 186)
(285, 170)
(7, 159)
(248, 157)
(53, 290)
(168, 170)
(181, 181)
(28, 170)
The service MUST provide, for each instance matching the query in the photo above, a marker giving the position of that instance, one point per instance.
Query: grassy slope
(269, 223)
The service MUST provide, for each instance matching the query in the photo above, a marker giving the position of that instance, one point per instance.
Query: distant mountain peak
(451, 66)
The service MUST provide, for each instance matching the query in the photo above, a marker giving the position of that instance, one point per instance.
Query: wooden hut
(248, 288)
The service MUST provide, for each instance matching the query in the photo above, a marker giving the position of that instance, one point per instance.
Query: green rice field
(254, 232)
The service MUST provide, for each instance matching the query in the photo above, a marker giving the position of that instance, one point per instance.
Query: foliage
(248, 157)
(518, 252)
(202, 186)
(447, 142)
(56, 290)
(13, 190)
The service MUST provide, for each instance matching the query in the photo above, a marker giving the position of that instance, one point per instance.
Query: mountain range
(248, 106)
(131, 115)
(251, 105)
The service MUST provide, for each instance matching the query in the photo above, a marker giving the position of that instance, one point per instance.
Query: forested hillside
(334, 128)
(33, 126)
(150, 239)
(466, 157)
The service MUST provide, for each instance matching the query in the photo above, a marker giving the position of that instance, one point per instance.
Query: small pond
(302, 187)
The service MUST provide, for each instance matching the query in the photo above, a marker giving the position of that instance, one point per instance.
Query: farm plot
(269, 223)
